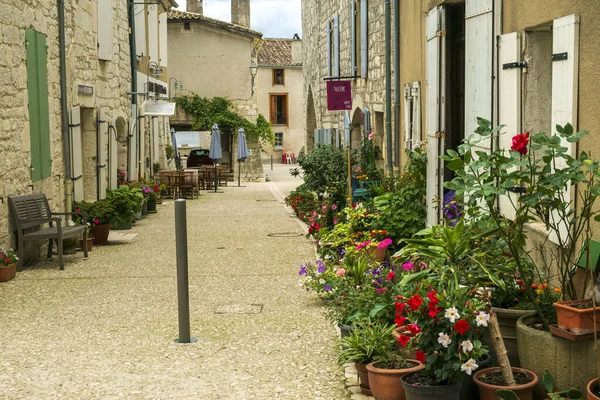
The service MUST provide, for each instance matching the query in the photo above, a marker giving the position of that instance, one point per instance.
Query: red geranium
(400, 307)
(399, 320)
(414, 302)
(433, 311)
(420, 356)
(391, 276)
(432, 297)
(461, 326)
(7, 260)
(404, 339)
(413, 328)
(520, 142)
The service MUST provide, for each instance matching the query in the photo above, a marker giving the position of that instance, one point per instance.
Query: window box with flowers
(8, 265)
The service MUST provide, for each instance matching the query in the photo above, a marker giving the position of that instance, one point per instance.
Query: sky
(273, 18)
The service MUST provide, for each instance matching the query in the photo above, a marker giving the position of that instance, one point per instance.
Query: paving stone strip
(104, 328)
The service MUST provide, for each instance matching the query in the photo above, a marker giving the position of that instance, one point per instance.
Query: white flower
(308, 278)
(452, 314)
(71, 223)
(322, 281)
(444, 339)
(466, 346)
(482, 318)
(469, 366)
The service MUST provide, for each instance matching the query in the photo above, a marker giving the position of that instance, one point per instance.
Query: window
(278, 77)
(37, 90)
(186, 26)
(279, 109)
(279, 140)
(105, 30)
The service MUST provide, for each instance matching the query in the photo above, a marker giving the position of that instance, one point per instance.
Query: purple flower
(320, 266)
(303, 270)
(326, 288)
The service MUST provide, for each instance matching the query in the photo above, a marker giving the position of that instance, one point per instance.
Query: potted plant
(376, 243)
(127, 201)
(8, 265)
(385, 375)
(369, 341)
(89, 238)
(100, 214)
(446, 329)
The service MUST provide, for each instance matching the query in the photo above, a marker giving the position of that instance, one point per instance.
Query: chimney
(240, 12)
(296, 50)
(195, 6)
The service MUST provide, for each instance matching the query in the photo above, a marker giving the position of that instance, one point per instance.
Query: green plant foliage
(369, 341)
(127, 202)
(98, 212)
(218, 110)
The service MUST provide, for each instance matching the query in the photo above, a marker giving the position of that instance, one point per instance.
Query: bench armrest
(82, 213)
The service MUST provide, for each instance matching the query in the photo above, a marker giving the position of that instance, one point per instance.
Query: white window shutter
(76, 154)
(112, 159)
(153, 34)
(367, 120)
(143, 122)
(407, 117)
(565, 74)
(101, 153)
(336, 46)
(140, 30)
(364, 38)
(347, 128)
(162, 39)
(479, 46)
(105, 30)
(316, 136)
(353, 37)
(329, 50)
(155, 142)
(509, 104)
(416, 115)
(435, 72)
(133, 153)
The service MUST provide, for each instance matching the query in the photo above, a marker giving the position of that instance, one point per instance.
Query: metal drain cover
(285, 234)
(239, 309)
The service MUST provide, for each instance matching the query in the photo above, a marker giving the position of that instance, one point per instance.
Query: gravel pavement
(104, 328)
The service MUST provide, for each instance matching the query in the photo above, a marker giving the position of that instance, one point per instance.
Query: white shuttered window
(153, 34)
(76, 154)
(101, 153)
(336, 46)
(105, 30)
(162, 39)
(364, 38)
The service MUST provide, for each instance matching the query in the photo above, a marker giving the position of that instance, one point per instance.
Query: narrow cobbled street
(104, 328)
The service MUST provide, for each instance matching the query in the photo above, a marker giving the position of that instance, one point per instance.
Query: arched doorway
(311, 121)
(356, 129)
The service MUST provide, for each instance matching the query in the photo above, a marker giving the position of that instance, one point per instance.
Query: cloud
(274, 18)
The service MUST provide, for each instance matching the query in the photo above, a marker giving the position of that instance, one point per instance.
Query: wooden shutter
(329, 55)
(565, 75)
(140, 30)
(76, 154)
(509, 103)
(37, 96)
(479, 42)
(407, 117)
(416, 114)
(273, 109)
(364, 38)
(153, 34)
(101, 153)
(162, 39)
(336, 46)
(105, 30)
(284, 108)
(112, 158)
(353, 37)
(435, 73)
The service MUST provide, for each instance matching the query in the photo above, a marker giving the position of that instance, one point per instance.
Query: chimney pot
(240, 13)
(195, 6)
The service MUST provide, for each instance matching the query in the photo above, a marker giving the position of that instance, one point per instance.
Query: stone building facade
(98, 75)
(200, 50)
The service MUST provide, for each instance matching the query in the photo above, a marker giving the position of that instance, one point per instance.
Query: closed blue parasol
(242, 151)
(215, 152)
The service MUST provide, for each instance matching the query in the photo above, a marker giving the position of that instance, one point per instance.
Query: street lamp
(176, 85)
(253, 71)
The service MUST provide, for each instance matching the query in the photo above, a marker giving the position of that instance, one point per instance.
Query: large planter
(386, 384)
(592, 386)
(376, 254)
(468, 390)
(423, 392)
(90, 243)
(578, 321)
(8, 272)
(507, 320)
(151, 205)
(571, 364)
(363, 375)
(488, 392)
(101, 233)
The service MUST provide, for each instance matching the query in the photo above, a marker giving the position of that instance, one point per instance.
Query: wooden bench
(33, 212)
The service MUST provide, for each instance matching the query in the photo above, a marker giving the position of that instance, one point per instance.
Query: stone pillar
(240, 12)
(195, 6)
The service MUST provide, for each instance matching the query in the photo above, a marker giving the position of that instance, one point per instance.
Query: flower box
(576, 320)
(8, 272)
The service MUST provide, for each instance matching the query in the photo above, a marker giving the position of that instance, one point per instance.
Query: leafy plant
(127, 201)
(8, 257)
(369, 341)
(99, 212)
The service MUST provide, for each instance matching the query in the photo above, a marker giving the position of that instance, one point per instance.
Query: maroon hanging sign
(339, 95)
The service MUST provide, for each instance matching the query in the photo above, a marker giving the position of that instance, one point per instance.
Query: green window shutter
(37, 88)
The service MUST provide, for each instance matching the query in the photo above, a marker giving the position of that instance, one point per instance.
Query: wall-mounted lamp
(176, 85)
(157, 69)
(253, 71)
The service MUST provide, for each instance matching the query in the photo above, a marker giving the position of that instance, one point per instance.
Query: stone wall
(110, 80)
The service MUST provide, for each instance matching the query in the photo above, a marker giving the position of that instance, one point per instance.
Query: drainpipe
(388, 88)
(397, 79)
(134, 115)
(64, 114)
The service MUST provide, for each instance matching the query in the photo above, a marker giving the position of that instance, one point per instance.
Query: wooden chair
(33, 212)
(188, 182)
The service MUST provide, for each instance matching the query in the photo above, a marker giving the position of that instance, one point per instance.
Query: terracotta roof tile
(176, 15)
(276, 52)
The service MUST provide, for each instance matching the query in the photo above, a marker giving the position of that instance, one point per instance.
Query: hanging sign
(339, 95)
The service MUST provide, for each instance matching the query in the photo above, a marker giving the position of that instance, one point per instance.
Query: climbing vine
(206, 112)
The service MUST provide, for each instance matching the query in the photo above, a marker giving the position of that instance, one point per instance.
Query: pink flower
(371, 135)
(97, 221)
(324, 208)
(407, 266)
(384, 243)
(340, 272)
(333, 207)
(362, 245)
(335, 221)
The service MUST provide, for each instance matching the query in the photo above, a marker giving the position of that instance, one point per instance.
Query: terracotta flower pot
(592, 386)
(363, 375)
(8, 272)
(101, 233)
(90, 244)
(386, 384)
(488, 392)
(578, 321)
(376, 253)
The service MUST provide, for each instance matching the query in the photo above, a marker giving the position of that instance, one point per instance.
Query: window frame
(275, 76)
(280, 145)
(286, 111)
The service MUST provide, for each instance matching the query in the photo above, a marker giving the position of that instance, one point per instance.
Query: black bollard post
(183, 295)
